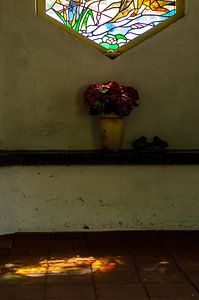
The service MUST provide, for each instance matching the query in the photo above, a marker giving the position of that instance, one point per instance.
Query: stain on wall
(118, 198)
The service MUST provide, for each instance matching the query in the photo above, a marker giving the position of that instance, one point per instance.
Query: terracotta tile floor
(100, 266)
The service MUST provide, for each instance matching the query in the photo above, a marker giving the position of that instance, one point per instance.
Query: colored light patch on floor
(12, 272)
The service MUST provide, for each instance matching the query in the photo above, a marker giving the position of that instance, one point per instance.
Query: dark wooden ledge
(97, 157)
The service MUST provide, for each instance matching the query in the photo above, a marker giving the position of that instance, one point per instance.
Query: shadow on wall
(82, 111)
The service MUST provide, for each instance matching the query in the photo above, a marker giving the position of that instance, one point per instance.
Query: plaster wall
(77, 198)
(44, 71)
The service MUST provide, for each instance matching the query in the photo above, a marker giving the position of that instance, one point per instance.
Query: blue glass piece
(170, 14)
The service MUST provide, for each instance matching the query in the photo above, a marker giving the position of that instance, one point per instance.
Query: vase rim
(110, 115)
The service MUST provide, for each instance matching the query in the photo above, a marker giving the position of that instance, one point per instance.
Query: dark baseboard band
(97, 157)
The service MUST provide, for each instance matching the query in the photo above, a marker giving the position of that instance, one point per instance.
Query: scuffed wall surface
(44, 71)
(75, 198)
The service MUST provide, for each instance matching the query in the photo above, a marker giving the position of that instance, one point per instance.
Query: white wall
(61, 198)
(44, 71)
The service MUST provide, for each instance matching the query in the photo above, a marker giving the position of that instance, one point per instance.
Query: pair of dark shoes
(157, 144)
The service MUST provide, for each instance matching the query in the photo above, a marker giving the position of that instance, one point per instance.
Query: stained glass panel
(111, 24)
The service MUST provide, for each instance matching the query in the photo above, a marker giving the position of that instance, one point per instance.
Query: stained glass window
(112, 26)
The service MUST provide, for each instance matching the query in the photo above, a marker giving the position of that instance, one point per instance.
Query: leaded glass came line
(111, 24)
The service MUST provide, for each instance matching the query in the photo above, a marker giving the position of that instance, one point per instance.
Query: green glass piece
(85, 21)
(120, 37)
(109, 46)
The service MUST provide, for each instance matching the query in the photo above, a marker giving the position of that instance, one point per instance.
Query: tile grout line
(48, 256)
(179, 268)
(195, 240)
(137, 271)
(8, 253)
(13, 242)
(93, 280)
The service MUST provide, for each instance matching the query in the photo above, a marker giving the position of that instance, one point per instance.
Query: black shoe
(158, 144)
(140, 144)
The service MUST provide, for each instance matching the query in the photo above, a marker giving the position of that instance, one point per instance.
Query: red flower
(111, 97)
(132, 93)
(91, 95)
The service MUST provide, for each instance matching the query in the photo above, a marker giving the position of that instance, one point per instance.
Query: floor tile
(4, 251)
(66, 241)
(32, 236)
(194, 278)
(179, 249)
(71, 292)
(33, 251)
(23, 271)
(107, 251)
(150, 251)
(176, 298)
(6, 237)
(5, 244)
(121, 292)
(71, 247)
(25, 260)
(115, 278)
(102, 237)
(61, 253)
(10, 280)
(171, 290)
(189, 265)
(2, 259)
(75, 279)
(68, 236)
(113, 265)
(120, 262)
(149, 265)
(107, 247)
(163, 277)
(22, 293)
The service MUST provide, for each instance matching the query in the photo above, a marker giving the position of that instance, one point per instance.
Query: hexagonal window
(112, 26)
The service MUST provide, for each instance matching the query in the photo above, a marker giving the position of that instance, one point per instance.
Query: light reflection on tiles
(64, 266)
